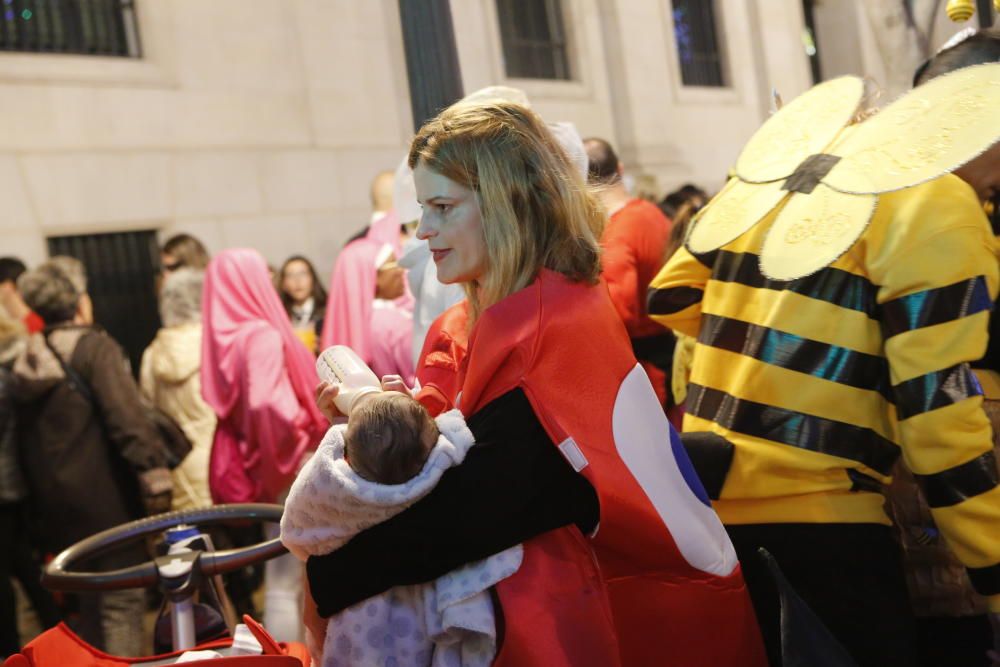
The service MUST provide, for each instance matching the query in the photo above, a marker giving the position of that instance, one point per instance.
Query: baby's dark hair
(388, 438)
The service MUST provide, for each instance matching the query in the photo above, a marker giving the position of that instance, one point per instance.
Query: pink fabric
(349, 301)
(386, 230)
(259, 379)
(392, 353)
(378, 335)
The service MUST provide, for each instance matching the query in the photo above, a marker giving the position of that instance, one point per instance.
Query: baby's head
(389, 437)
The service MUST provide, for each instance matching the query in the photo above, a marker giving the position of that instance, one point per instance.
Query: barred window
(534, 41)
(89, 27)
(121, 277)
(697, 43)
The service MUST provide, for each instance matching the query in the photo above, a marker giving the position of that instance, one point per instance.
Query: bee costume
(839, 285)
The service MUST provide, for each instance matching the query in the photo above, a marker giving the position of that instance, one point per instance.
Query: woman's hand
(325, 393)
(395, 383)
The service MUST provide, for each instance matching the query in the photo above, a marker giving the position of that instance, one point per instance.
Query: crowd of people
(592, 444)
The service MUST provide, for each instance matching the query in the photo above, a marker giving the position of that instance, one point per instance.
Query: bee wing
(737, 208)
(803, 127)
(932, 130)
(812, 231)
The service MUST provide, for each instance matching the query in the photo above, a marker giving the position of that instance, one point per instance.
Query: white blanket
(446, 623)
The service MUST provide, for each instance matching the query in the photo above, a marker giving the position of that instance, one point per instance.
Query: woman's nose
(425, 229)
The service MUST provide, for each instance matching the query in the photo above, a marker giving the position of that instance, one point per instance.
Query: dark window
(89, 27)
(534, 41)
(697, 43)
(121, 278)
(811, 41)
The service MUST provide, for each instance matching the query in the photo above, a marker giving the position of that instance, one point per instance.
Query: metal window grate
(121, 277)
(534, 40)
(89, 27)
(697, 43)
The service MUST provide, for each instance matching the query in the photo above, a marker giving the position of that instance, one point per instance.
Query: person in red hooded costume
(625, 563)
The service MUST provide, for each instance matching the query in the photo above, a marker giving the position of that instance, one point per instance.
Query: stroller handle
(57, 574)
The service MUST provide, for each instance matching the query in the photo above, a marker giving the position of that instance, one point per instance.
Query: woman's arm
(513, 485)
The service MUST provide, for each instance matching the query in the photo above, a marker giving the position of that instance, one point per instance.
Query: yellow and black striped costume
(820, 382)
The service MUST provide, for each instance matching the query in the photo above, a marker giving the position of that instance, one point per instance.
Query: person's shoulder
(260, 335)
(641, 212)
(638, 223)
(515, 319)
(557, 292)
(566, 306)
(259, 330)
(940, 225)
(94, 340)
(926, 209)
(550, 306)
(515, 306)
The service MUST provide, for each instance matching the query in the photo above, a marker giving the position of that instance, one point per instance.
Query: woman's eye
(444, 208)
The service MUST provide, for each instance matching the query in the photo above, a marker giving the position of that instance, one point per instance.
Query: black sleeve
(513, 485)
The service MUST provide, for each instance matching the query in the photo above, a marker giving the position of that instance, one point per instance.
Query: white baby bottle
(341, 365)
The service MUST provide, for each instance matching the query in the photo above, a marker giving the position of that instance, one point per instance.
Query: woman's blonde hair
(535, 207)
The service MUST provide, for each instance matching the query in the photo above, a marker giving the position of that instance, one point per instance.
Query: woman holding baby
(624, 562)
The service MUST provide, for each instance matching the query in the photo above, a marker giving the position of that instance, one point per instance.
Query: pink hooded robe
(385, 230)
(381, 333)
(258, 378)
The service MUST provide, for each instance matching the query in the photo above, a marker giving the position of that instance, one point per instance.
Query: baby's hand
(395, 383)
(325, 393)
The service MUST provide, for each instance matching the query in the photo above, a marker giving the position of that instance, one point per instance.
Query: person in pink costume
(364, 309)
(259, 379)
(386, 229)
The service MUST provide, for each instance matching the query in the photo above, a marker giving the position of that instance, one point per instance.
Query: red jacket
(633, 244)
(675, 588)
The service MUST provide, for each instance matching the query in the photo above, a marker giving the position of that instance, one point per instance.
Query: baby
(389, 437)
(390, 454)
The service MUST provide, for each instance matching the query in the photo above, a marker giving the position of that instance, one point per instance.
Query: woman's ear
(84, 310)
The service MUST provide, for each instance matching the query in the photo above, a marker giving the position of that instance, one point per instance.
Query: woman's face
(169, 263)
(452, 225)
(296, 281)
(389, 283)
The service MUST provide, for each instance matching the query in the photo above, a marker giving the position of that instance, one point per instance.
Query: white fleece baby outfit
(446, 623)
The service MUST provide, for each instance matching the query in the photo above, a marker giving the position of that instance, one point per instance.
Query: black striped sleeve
(935, 306)
(670, 300)
(935, 390)
(954, 485)
(797, 429)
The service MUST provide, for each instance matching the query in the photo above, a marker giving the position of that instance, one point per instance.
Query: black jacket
(12, 486)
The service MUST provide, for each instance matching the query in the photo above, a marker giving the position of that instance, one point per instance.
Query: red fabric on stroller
(61, 647)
